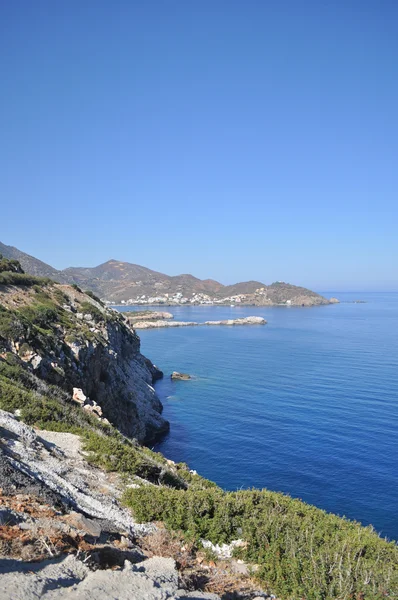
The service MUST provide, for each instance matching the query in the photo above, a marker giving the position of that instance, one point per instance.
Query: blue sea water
(306, 405)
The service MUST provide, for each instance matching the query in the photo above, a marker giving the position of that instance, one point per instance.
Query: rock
(180, 376)
(84, 523)
(79, 396)
(147, 315)
(224, 550)
(157, 324)
(239, 567)
(334, 301)
(93, 408)
(153, 579)
(242, 321)
(54, 468)
(35, 362)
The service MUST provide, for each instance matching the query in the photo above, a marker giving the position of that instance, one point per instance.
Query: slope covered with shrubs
(302, 551)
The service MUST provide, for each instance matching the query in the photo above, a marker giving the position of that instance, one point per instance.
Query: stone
(93, 408)
(35, 361)
(180, 376)
(79, 396)
(334, 301)
(242, 321)
(85, 524)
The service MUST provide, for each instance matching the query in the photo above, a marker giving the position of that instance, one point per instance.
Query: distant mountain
(117, 281)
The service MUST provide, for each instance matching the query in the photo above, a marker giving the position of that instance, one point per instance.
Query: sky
(233, 140)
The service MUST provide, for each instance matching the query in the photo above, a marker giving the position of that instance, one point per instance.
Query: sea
(306, 405)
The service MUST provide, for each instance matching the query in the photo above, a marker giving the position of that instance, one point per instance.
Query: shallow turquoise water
(307, 404)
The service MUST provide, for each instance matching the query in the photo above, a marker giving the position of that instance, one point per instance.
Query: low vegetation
(302, 552)
(11, 273)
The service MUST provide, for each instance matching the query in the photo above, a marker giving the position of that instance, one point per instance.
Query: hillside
(121, 282)
(70, 340)
(74, 391)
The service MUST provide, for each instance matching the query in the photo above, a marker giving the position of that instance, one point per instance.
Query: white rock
(224, 550)
(79, 396)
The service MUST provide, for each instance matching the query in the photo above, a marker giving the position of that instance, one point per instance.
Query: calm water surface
(307, 404)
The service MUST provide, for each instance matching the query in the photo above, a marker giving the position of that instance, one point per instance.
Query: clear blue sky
(231, 139)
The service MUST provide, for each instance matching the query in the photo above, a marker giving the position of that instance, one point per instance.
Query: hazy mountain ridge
(32, 265)
(118, 281)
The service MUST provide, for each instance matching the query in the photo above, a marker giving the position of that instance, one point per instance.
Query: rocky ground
(65, 534)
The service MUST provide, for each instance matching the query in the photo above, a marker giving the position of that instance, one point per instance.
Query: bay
(306, 405)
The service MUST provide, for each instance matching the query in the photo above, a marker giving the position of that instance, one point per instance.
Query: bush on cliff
(302, 551)
(11, 273)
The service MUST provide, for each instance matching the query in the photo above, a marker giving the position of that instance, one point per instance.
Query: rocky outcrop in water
(147, 315)
(180, 376)
(243, 321)
(160, 324)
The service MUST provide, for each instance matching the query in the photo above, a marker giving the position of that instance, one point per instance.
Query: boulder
(79, 396)
(180, 376)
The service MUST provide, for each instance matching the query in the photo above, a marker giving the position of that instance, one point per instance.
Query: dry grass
(198, 570)
(169, 544)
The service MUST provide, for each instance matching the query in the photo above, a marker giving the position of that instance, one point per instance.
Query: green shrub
(94, 297)
(61, 297)
(303, 552)
(11, 326)
(88, 308)
(120, 455)
(42, 315)
(9, 278)
(11, 265)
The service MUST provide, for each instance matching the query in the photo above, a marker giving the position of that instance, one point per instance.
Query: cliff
(69, 339)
